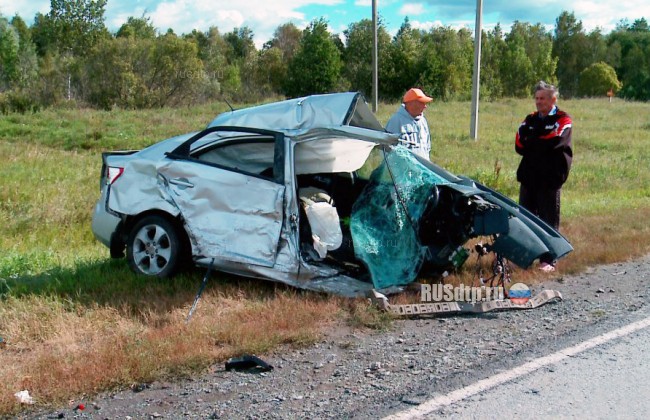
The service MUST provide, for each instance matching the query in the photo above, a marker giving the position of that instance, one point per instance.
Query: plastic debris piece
(436, 308)
(248, 362)
(23, 397)
(139, 387)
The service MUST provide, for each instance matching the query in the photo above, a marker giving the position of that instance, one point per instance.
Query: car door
(229, 192)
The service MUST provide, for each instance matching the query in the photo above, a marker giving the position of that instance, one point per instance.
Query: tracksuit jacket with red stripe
(545, 144)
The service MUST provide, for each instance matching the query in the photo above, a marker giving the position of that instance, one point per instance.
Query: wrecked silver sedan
(311, 192)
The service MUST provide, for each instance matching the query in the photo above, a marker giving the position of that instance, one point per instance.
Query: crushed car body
(311, 192)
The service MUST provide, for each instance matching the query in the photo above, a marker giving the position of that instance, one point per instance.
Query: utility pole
(375, 78)
(476, 77)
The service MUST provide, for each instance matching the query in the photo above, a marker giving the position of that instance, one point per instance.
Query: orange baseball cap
(415, 94)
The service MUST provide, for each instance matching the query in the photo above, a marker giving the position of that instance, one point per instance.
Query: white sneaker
(546, 267)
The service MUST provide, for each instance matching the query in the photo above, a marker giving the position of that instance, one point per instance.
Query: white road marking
(437, 403)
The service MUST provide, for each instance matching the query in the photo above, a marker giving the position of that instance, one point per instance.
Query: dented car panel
(235, 197)
(219, 217)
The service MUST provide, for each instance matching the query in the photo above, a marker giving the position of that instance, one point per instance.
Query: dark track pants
(543, 203)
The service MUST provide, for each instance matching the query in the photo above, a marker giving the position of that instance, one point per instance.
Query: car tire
(154, 247)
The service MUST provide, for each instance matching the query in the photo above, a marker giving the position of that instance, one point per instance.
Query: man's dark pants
(543, 203)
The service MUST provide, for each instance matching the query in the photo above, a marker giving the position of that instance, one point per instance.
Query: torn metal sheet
(437, 308)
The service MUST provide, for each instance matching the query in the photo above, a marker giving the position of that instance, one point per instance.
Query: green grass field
(76, 322)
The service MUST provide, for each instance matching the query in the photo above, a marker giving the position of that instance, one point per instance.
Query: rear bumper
(104, 224)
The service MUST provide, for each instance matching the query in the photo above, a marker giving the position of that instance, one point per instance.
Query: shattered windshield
(385, 218)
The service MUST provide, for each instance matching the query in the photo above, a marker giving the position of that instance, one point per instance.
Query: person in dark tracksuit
(544, 142)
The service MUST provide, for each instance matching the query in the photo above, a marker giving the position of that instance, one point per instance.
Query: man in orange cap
(410, 124)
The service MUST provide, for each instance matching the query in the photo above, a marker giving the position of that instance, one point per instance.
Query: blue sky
(264, 16)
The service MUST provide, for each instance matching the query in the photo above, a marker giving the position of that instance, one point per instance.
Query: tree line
(68, 56)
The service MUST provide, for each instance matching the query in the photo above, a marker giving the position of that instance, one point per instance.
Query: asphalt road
(607, 376)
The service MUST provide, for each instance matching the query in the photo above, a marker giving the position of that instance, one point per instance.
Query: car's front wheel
(154, 247)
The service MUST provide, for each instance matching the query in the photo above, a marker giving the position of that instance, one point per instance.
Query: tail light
(112, 174)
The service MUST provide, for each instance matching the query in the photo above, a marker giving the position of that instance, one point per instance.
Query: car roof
(300, 115)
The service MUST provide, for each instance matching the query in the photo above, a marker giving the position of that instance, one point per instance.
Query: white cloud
(184, 16)
(606, 14)
(425, 26)
(411, 9)
(25, 9)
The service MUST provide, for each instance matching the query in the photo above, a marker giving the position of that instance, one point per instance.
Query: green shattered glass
(385, 218)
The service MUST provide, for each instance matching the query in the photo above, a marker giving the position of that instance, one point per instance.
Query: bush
(20, 101)
(597, 80)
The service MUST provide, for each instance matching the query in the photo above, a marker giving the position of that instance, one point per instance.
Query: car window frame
(183, 151)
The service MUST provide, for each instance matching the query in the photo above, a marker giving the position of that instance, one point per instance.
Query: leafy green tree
(242, 54)
(22, 29)
(9, 46)
(175, 73)
(597, 50)
(399, 71)
(492, 51)
(613, 53)
(316, 67)
(201, 40)
(357, 66)
(43, 35)
(640, 25)
(636, 72)
(272, 63)
(51, 86)
(632, 43)
(569, 44)
(212, 47)
(539, 47)
(230, 80)
(286, 38)
(241, 44)
(27, 58)
(430, 69)
(138, 28)
(527, 59)
(270, 71)
(446, 63)
(114, 66)
(66, 35)
(223, 77)
(77, 24)
(516, 70)
(145, 73)
(597, 79)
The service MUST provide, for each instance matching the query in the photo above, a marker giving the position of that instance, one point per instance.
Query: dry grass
(60, 349)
